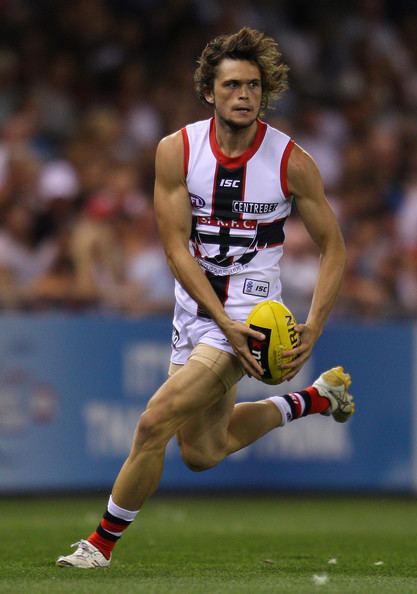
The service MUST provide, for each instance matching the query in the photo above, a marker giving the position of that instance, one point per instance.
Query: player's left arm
(305, 184)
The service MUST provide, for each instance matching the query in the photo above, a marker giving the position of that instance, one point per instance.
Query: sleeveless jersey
(239, 207)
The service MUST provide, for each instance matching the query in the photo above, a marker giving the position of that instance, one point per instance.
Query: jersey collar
(236, 162)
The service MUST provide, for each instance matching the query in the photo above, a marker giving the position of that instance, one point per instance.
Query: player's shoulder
(302, 172)
(176, 140)
(300, 161)
(171, 142)
(169, 157)
(169, 153)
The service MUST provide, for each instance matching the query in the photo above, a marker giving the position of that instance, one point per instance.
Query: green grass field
(216, 545)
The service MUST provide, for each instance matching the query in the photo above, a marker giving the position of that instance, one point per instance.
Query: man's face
(237, 93)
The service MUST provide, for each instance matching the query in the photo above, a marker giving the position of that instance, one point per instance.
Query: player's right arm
(174, 217)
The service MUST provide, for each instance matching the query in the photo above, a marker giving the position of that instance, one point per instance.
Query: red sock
(318, 404)
(107, 533)
(102, 544)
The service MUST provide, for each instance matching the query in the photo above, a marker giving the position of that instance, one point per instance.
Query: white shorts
(190, 330)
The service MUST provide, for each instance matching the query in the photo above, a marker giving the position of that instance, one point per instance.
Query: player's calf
(198, 461)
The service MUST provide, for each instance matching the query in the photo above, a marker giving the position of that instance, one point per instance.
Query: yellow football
(276, 321)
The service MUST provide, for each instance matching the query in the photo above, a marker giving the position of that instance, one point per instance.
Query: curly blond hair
(246, 44)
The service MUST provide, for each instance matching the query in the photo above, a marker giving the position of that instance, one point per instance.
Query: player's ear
(209, 96)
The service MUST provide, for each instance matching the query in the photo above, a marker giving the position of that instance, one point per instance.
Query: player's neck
(233, 141)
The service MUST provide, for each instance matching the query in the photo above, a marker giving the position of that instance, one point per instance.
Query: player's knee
(152, 430)
(198, 461)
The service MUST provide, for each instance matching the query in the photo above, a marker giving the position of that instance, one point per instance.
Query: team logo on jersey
(256, 287)
(254, 207)
(197, 201)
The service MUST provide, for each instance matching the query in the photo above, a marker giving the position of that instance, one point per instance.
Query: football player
(224, 188)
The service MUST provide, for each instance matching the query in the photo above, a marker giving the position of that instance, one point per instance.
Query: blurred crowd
(87, 89)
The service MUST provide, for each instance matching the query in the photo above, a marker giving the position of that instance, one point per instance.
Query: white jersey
(239, 207)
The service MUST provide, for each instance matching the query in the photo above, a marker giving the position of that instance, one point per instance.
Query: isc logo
(230, 183)
(262, 289)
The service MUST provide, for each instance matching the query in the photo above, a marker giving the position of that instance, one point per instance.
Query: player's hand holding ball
(277, 323)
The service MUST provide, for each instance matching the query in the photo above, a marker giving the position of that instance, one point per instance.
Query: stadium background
(86, 91)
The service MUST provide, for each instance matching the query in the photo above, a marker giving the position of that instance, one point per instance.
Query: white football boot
(334, 385)
(85, 557)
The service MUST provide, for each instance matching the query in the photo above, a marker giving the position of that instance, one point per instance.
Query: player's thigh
(206, 430)
(193, 388)
(209, 425)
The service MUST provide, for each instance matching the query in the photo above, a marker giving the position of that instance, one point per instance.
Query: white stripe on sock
(114, 533)
(283, 407)
(124, 514)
